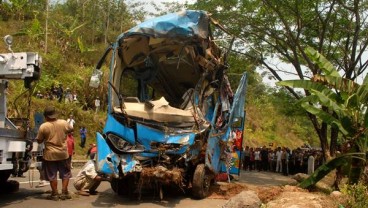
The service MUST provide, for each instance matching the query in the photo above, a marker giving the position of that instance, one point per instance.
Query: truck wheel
(119, 186)
(201, 182)
(4, 175)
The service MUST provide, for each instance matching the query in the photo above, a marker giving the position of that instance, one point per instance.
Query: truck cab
(15, 135)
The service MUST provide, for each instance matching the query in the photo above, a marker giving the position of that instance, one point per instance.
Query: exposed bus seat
(158, 110)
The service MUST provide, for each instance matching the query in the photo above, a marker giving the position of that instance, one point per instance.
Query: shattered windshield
(170, 61)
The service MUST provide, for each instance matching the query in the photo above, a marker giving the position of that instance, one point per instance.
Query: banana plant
(347, 104)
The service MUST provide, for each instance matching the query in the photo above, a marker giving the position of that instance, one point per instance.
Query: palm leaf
(339, 83)
(322, 62)
(328, 102)
(305, 84)
(352, 102)
(308, 99)
(362, 93)
(326, 117)
(365, 81)
(326, 168)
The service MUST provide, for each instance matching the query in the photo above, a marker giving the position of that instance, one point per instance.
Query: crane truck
(15, 137)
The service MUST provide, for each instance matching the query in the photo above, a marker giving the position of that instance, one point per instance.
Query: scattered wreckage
(172, 115)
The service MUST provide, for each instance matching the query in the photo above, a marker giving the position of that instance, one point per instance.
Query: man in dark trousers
(264, 158)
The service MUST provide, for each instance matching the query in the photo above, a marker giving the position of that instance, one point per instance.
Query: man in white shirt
(278, 160)
(257, 159)
(71, 121)
(87, 180)
(97, 104)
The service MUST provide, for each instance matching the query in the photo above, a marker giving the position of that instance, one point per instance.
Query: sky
(149, 8)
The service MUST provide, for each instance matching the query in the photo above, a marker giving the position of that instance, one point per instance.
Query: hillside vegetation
(272, 115)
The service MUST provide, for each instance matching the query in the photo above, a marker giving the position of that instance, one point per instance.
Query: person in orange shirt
(92, 151)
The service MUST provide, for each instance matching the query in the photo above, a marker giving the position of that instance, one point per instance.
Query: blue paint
(213, 154)
(146, 135)
(128, 164)
(113, 126)
(188, 23)
(169, 142)
(104, 152)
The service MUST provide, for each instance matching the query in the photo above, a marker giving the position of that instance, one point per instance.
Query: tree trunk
(324, 142)
(333, 143)
(322, 135)
(338, 178)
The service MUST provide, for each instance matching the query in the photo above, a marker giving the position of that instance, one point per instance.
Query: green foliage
(325, 169)
(273, 116)
(323, 64)
(78, 33)
(356, 195)
(348, 115)
(281, 30)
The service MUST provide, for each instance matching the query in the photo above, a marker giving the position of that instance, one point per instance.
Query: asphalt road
(28, 197)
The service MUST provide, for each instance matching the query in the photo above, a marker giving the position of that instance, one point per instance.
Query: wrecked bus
(172, 116)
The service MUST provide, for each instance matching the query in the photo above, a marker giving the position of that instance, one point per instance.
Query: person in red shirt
(70, 147)
(92, 151)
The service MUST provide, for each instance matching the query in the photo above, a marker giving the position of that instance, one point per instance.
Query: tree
(347, 103)
(280, 30)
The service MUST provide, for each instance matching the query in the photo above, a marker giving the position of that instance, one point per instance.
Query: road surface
(28, 196)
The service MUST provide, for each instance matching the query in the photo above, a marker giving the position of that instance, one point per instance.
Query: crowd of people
(68, 96)
(58, 93)
(282, 160)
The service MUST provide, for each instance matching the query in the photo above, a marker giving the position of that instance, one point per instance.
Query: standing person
(71, 120)
(97, 104)
(257, 159)
(251, 159)
(299, 161)
(53, 134)
(40, 149)
(246, 162)
(284, 161)
(40, 167)
(68, 96)
(83, 136)
(75, 99)
(271, 160)
(70, 146)
(264, 158)
(60, 93)
(278, 160)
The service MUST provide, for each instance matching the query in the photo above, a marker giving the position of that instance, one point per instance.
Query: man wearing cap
(53, 133)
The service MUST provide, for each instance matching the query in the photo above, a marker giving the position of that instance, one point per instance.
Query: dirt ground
(274, 190)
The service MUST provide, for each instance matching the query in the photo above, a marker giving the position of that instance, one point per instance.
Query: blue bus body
(171, 110)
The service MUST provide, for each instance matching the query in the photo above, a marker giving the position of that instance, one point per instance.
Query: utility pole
(107, 21)
(47, 19)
